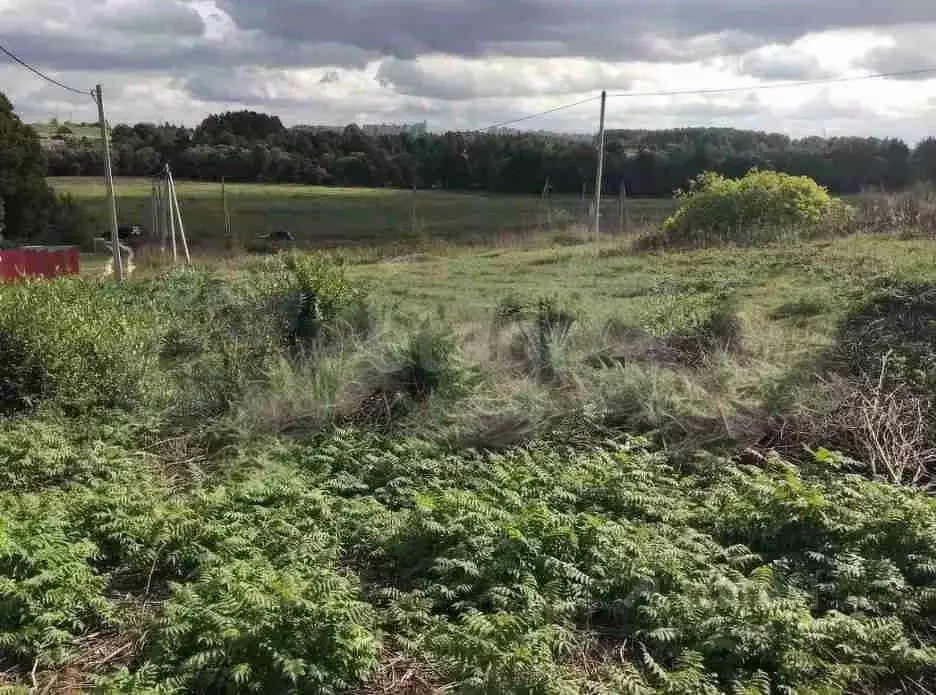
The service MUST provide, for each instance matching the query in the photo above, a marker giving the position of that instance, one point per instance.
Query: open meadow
(47, 131)
(549, 468)
(342, 216)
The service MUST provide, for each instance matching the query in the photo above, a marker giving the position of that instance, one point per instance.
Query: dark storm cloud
(131, 52)
(608, 29)
(902, 58)
(162, 19)
(169, 36)
(165, 37)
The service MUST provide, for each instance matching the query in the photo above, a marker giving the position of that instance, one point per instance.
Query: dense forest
(250, 147)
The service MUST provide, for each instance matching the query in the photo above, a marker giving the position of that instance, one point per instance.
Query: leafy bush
(23, 377)
(499, 565)
(538, 570)
(49, 593)
(311, 294)
(76, 342)
(759, 207)
(35, 454)
(408, 374)
(72, 224)
(245, 626)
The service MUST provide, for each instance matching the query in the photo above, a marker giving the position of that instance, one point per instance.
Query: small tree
(72, 223)
(24, 195)
(760, 206)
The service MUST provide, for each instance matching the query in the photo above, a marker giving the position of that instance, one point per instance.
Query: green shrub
(310, 294)
(49, 593)
(73, 224)
(75, 342)
(539, 570)
(500, 565)
(408, 374)
(244, 626)
(759, 207)
(24, 379)
(36, 453)
(190, 342)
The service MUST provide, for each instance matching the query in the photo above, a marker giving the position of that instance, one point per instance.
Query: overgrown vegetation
(525, 471)
(540, 570)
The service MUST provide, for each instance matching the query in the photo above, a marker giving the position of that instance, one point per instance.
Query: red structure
(38, 262)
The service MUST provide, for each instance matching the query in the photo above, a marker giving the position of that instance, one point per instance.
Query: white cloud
(458, 79)
(782, 63)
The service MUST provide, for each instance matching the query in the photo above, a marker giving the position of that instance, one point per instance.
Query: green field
(557, 468)
(48, 130)
(334, 216)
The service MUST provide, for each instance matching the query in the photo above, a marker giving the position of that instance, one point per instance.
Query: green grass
(611, 280)
(47, 130)
(334, 216)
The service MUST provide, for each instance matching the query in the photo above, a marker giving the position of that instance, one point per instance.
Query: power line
(41, 74)
(716, 90)
(778, 85)
(542, 113)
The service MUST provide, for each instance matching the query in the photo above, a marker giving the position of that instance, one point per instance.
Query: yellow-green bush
(761, 206)
(74, 341)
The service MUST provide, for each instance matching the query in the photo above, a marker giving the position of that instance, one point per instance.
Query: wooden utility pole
(170, 217)
(228, 234)
(111, 193)
(547, 199)
(178, 213)
(599, 174)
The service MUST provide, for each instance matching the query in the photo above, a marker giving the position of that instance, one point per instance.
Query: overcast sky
(471, 63)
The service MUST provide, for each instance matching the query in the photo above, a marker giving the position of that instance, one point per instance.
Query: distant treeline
(252, 147)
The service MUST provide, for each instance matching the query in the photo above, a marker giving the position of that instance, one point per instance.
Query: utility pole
(599, 175)
(178, 214)
(111, 194)
(170, 215)
(227, 216)
(154, 209)
(547, 198)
